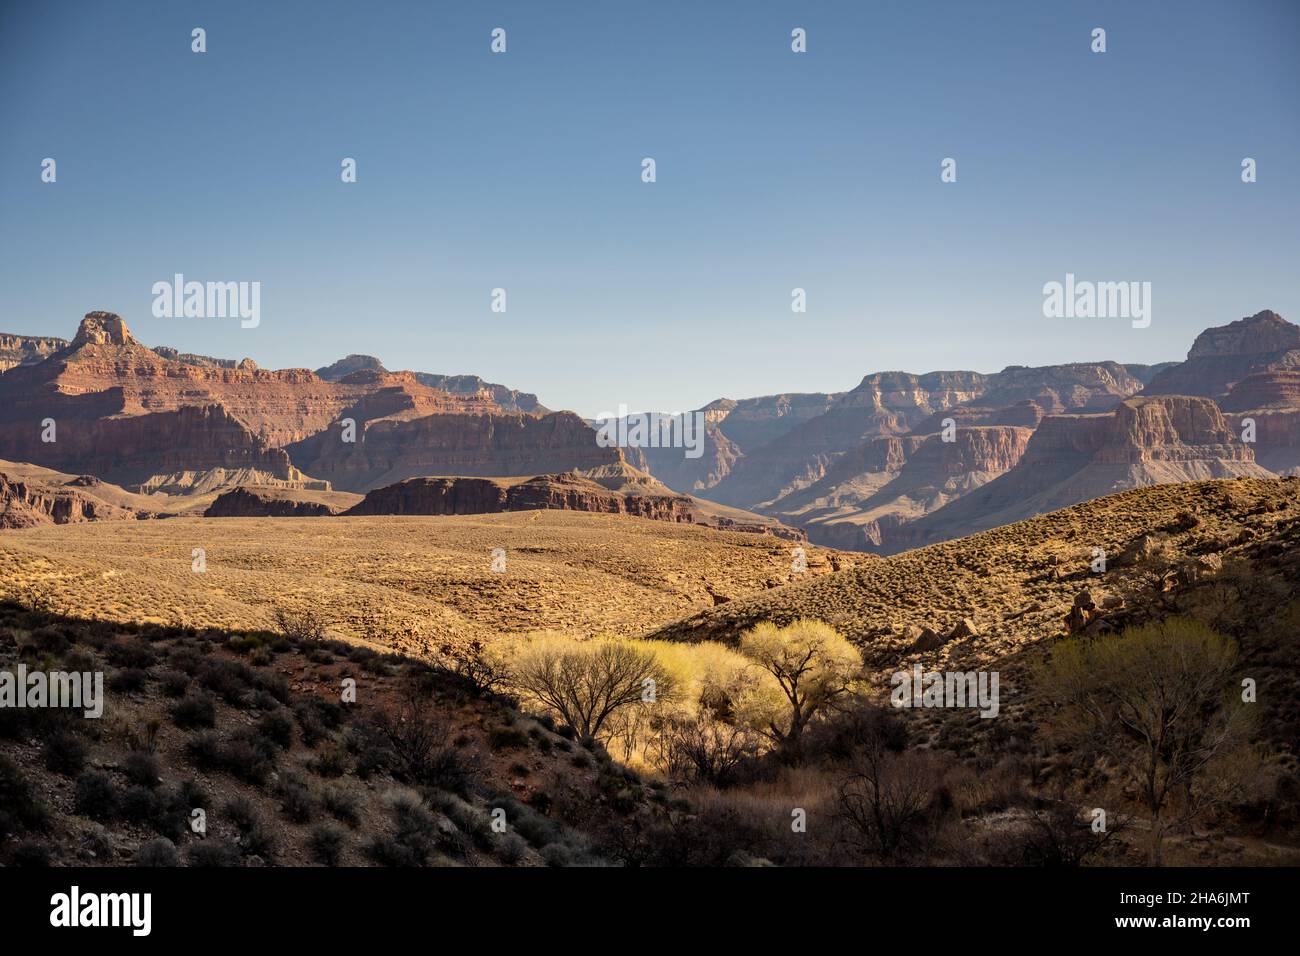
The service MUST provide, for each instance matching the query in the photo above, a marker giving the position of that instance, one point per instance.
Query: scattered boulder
(1198, 569)
(1141, 550)
(964, 628)
(929, 640)
(1082, 614)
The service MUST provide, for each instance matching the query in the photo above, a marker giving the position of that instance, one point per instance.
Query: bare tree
(300, 625)
(886, 797)
(417, 740)
(478, 664)
(585, 684)
(703, 749)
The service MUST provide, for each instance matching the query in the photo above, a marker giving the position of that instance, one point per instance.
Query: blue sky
(775, 170)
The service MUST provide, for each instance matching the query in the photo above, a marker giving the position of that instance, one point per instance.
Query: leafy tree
(814, 667)
(1160, 704)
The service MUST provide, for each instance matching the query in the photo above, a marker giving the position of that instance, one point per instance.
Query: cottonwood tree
(814, 667)
(1159, 702)
(585, 684)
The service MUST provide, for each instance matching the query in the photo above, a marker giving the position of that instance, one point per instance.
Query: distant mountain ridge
(899, 460)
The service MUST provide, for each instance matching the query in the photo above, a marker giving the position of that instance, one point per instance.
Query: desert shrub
(508, 737)
(31, 853)
(330, 763)
(50, 639)
(249, 757)
(64, 753)
(482, 667)
(415, 832)
(142, 768)
(621, 787)
(129, 680)
(210, 853)
(204, 750)
(274, 686)
(143, 735)
(232, 681)
(193, 795)
(137, 804)
(300, 626)
(342, 804)
(839, 736)
(316, 718)
(511, 848)
(415, 743)
(186, 659)
(20, 809)
(171, 816)
(701, 749)
(296, 799)
(717, 835)
(886, 797)
(174, 683)
(80, 660)
(158, 852)
(256, 838)
(96, 796)
(469, 819)
(195, 709)
(132, 654)
(538, 830)
(326, 843)
(245, 644)
(242, 812)
(558, 854)
(277, 727)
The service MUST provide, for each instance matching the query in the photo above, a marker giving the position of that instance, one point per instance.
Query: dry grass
(422, 578)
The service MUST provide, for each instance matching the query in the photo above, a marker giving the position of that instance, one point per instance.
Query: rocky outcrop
(1222, 356)
(894, 403)
(388, 451)
(1074, 458)
(27, 503)
(129, 414)
(1079, 386)
(462, 496)
(134, 450)
(188, 358)
(245, 502)
(18, 350)
(872, 493)
(507, 399)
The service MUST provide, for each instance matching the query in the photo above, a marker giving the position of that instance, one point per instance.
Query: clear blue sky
(775, 170)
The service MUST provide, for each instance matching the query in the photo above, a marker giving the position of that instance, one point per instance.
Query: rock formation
(569, 491)
(1074, 458)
